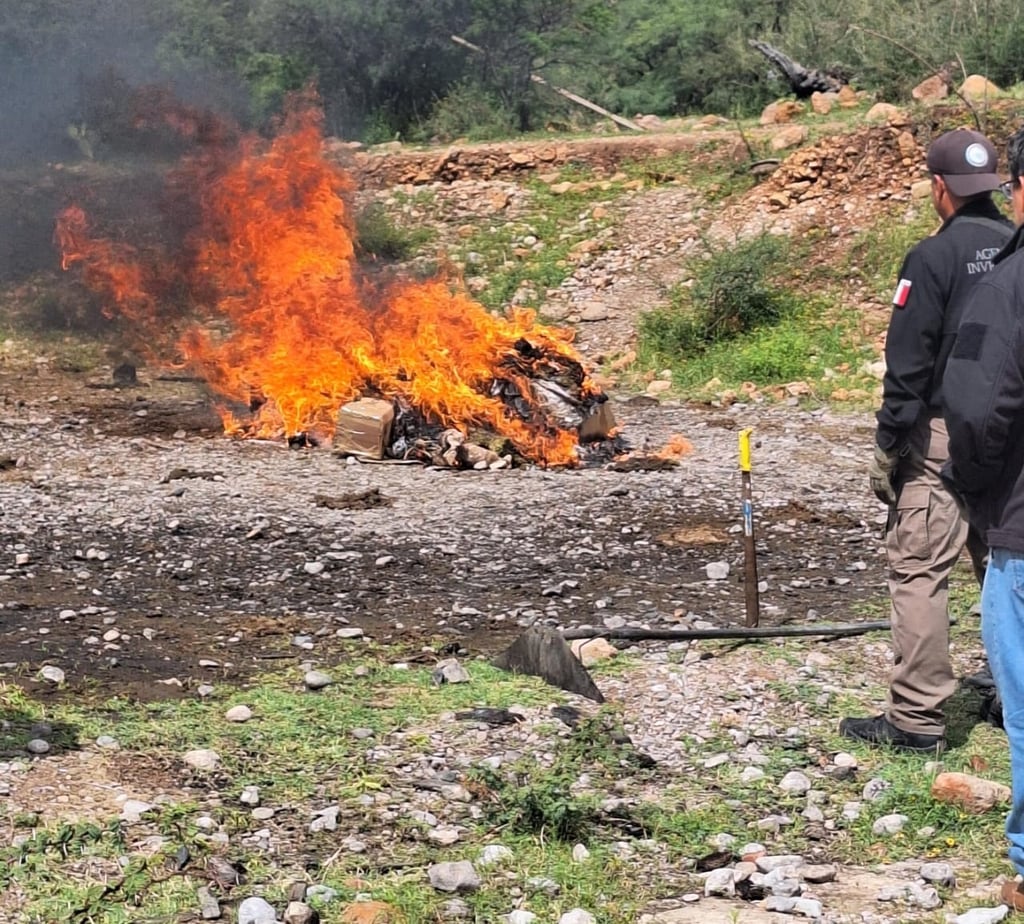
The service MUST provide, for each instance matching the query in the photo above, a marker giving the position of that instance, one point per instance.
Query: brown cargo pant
(926, 535)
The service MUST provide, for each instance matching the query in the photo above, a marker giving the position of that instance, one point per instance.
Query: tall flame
(277, 317)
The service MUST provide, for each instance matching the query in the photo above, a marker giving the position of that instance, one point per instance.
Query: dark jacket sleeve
(911, 350)
(983, 388)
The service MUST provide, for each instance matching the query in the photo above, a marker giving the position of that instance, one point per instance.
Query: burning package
(256, 288)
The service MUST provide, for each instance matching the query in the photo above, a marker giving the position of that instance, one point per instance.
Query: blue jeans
(1002, 629)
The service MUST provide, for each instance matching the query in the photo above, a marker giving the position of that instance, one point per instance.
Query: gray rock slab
(454, 876)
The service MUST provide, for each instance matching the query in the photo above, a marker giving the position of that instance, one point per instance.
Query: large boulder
(978, 87)
(781, 112)
(822, 103)
(883, 112)
(931, 90)
(789, 137)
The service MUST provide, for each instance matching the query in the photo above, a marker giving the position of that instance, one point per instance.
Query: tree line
(389, 69)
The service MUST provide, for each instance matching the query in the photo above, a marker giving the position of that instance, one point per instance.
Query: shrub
(733, 293)
(379, 238)
(469, 110)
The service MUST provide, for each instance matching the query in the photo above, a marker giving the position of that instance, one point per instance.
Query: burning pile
(259, 294)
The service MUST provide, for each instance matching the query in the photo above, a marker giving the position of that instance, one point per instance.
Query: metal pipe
(668, 635)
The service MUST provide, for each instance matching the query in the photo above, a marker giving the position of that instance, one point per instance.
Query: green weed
(877, 253)
(379, 237)
(733, 292)
(536, 253)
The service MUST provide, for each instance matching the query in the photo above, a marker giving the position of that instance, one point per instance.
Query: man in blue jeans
(984, 412)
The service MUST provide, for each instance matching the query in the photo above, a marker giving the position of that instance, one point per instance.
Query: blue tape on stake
(748, 518)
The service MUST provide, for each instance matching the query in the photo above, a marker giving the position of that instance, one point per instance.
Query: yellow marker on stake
(749, 545)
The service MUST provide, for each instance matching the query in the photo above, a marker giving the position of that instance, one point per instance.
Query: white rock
(941, 873)
(202, 759)
(720, 882)
(795, 782)
(458, 876)
(717, 570)
(449, 671)
(889, 824)
(256, 911)
(317, 680)
(52, 674)
(444, 835)
(580, 854)
(778, 861)
(132, 809)
(238, 714)
(577, 916)
(982, 915)
(494, 853)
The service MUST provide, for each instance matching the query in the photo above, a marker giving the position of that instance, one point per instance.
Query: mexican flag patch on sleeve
(902, 292)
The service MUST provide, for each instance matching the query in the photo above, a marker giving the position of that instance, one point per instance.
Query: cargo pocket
(909, 541)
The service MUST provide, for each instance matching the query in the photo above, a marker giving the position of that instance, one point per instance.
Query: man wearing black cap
(984, 412)
(926, 529)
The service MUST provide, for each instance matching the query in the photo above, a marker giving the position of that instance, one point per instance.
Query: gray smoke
(67, 72)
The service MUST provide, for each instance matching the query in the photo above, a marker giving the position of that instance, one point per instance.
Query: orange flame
(279, 320)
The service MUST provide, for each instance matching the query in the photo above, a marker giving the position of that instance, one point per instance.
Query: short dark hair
(1015, 154)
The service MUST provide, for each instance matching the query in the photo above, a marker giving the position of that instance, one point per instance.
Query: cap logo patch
(976, 155)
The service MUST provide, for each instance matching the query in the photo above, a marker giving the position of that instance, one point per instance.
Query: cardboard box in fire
(364, 428)
(598, 423)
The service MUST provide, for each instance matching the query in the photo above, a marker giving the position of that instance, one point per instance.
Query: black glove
(882, 473)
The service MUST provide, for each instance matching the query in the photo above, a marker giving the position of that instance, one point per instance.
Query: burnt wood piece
(490, 715)
(542, 652)
(357, 500)
(176, 474)
(803, 82)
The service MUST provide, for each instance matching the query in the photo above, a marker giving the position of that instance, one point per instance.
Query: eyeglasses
(1007, 188)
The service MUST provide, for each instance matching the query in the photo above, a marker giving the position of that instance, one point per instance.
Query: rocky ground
(146, 555)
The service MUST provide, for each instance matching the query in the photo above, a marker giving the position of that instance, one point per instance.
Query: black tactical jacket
(936, 279)
(984, 403)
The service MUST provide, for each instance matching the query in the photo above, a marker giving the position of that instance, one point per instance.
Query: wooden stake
(751, 597)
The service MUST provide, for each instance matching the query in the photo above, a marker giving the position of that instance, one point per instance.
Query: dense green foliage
(389, 68)
(733, 293)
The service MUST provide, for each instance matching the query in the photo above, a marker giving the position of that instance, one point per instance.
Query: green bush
(782, 354)
(469, 110)
(733, 293)
(379, 238)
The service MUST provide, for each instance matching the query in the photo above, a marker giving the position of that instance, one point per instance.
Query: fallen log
(803, 81)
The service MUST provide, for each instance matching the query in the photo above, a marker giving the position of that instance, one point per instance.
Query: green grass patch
(815, 344)
(877, 254)
(742, 319)
(537, 252)
(380, 237)
(706, 169)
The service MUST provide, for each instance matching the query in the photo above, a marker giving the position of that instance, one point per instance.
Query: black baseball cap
(966, 160)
